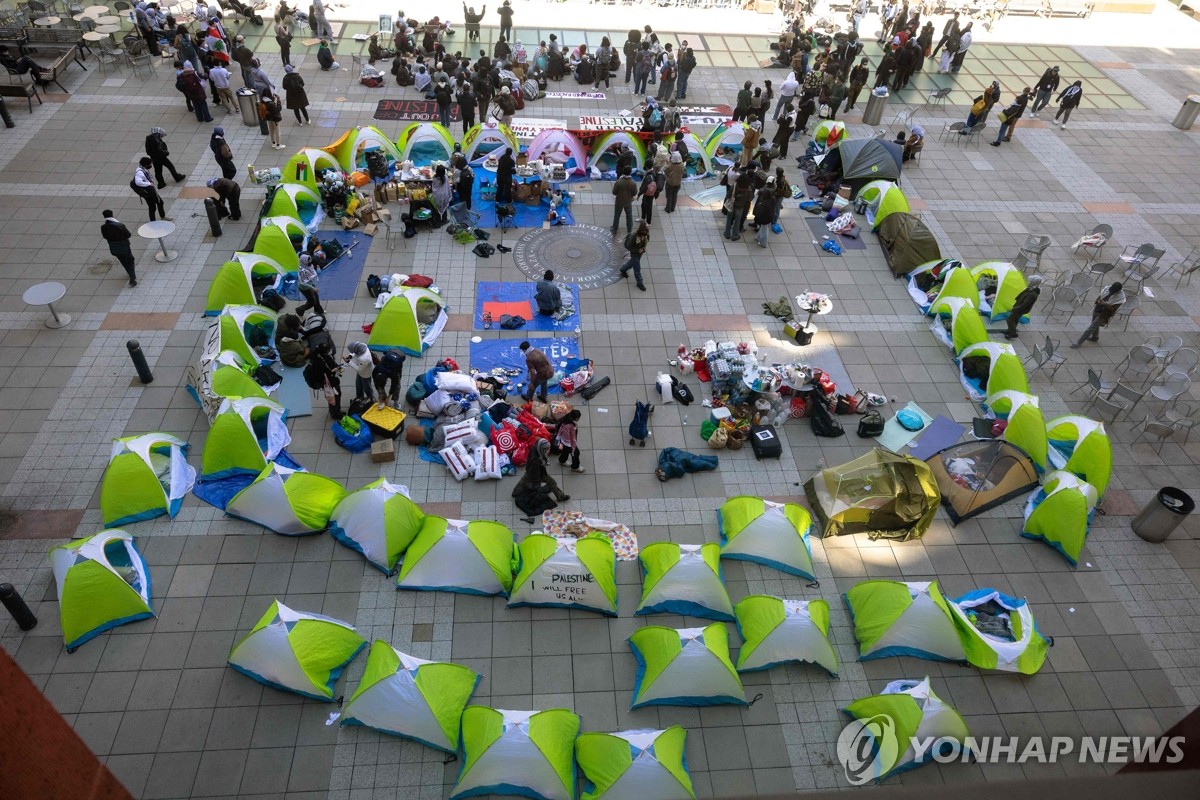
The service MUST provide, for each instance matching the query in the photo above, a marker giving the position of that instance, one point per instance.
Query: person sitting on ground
(537, 490)
(289, 341)
(376, 52)
(422, 80)
(325, 57)
(548, 295)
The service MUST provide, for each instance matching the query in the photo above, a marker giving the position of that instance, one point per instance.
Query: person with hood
(674, 176)
(537, 490)
(229, 196)
(441, 192)
(1105, 308)
(444, 97)
(1023, 304)
(194, 88)
(294, 94)
(507, 105)
(925, 44)
(375, 52)
(156, 148)
(143, 186)
(764, 211)
(471, 20)
(653, 182)
(501, 51)
(324, 359)
(259, 81)
(547, 295)
(566, 440)
(1043, 90)
(222, 153)
(1009, 117)
(885, 70)
(907, 59)
(982, 106)
(325, 57)
(636, 243)
(362, 361)
(117, 235)
(1068, 101)
(464, 180)
(506, 167)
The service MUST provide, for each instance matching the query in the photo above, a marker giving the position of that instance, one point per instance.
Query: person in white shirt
(787, 91)
(885, 22)
(219, 76)
(144, 186)
(307, 285)
(860, 12)
(363, 363)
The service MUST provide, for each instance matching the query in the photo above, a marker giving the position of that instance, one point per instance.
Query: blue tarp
(506, 353)
(341, 279)
(499, 292)
(219, 492)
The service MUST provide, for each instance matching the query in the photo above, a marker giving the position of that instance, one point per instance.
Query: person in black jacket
(118, 236)
(156, 148)
(443, 96)
(471, 20)
(1046, 86)
(1068, 101)
(506, 15)
(466, 105)
(222, 153)
(229, 196)
(883, 73)
(504, 176)
(1009, 117)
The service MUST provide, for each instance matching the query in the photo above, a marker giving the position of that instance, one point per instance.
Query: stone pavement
(154, 699)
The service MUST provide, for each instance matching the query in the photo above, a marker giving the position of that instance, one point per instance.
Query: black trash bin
(1162, 515)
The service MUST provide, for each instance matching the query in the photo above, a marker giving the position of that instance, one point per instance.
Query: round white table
(80, 17)
(108, 20)
(47, 294)
(99, 10)
(95, 36)
(108, 30)
(160, 230)
(47, 21)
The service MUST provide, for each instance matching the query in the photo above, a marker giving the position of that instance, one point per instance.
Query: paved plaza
(154, 699)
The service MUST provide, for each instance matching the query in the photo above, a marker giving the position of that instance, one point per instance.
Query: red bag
(521, 455)
(419, 281)
(798, 408)
(826, 385)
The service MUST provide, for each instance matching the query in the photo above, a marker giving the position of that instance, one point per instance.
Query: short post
(4, 115)
(16, 606)
(214, 221)
(139, 361)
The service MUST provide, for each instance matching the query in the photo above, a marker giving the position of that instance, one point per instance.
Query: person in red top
(566, 440)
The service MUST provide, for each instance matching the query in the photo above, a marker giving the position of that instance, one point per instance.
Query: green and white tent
(289, 198)
(350, 150)
(233, 285)
(684, 667)
(379, 521)
(238, 326)
(219, 374)
(776, 631)
(247, 434)
(288, 501)
(1026, 426)
(980, 615)
(102, 582)
(635, 765)
(684, 579)
(966, 326)
(425, 142)
(882, 198)
(1081, 446)
(829, 132)
(1059, 513)
(308, 165)
(565, 572)
(956, 282)
(407, 696)
(923, 278)
(297, 651)
(886, 724)
(897, 618)
(526, 753)
(147, 476)
(1009, 281)
(410, 321)
(274, 243)
(291, 226)
(453, 555)
(1004, 370)
(774, 534)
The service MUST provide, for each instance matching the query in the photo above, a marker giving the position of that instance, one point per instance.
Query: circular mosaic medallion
(586, 255)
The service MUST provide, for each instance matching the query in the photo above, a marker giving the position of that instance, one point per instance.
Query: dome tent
(881, 494)
(773, 534)
(239, 326)
(724, 142)
(928, 277)
(484, 138)
(777, 631)
(829, 132)
(955, 283)
(697, 163)
(147, 476)
(966, 326)
(635, 765)
(565, 572)
(423, 143)
(307, 166)
(860, 161)
(287, 501)
(978, 475)
(1081, 446)
(907, 242)
(1059, 512)
(458, 556)
(600, 160)
(684, 579)
(558, 146)
(897, 618)
(293, 200)
(998, 632)
(102, 582)
(1010, 282)
(409, 697)
(379, 521)
(882, 198)
(349, 149)
(291, 226)
(916, 713)
(247, 434)
(684, 667)
(1004, 370)
(398, 324)
(274, 242)
(1026, 427)
(234, 283)
(526, 753)
(218, 375)
(297, 651)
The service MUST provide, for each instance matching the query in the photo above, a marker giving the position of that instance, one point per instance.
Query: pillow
(455, 382)
(487, 463)
(466, 432)
(458, 460)
(910, 420)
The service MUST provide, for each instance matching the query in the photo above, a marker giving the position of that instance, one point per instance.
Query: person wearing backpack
(156, 148)
(644, 69)
(194, 89)
(222, 153)
(652, 182)
(666, 76)
(687, 63)
(271, 112)
(652, 120)
(633, 41)
(674, 179)
(390, 368)
(604, 56)
(636, 244)
(623, 191)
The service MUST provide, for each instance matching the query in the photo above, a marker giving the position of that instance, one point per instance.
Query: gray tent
(860, 161)
(907, 243)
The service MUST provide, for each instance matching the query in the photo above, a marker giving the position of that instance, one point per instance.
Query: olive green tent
(907, 243)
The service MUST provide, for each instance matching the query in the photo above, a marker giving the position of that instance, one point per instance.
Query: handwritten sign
(630, 123)
(418, 110)
(576, 95)
(529, 127)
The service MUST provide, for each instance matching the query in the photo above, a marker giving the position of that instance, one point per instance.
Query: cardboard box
(370, 229)
(383, 450)
(844, 191)
(349, 223)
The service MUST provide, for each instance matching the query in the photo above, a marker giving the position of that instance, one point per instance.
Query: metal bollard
(4, 115)
(214, 222)
(139, 361)
(16, 606)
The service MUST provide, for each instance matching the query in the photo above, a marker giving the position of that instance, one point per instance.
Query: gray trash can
(1163, 514)
(874, 110)
(248, 104)
(1187, 113)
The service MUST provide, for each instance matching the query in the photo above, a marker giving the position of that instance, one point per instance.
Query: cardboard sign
(417, 110)
(529, 127)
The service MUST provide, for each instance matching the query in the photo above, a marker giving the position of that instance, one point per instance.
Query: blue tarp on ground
(506, 353)
(523, 293)
(526, 217)
(341, 279)
(293, 393)
(218, 493)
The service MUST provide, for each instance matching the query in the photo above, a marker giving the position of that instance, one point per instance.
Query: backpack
(226, 153)
(688, 62)
(651, 188)
(647, 60)
(313, 377)
(871, 425)
(630, 242)
(656, 118)
(823, 421)
(333, 248)
(374, 285)
(263, 113)
(667, 72)
(629, 49)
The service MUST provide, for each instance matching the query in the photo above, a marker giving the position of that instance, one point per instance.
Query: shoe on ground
(132, 284)
(994, 144)
(1063, 126)
(1075, 347)
(578, 469)
(168, 219)
(565, 498)
(624, 275)
(1010, 336)
(642, 286)
(180, 178)
(162, 185)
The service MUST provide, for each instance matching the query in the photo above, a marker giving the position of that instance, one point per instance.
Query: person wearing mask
(539, 372)
(1068, 101)
(674, 177)
(156, 148)
(1009, 117)
(1023, 304)
(1043, 91)
(623, 192)
(1105, 308)
(143, 186)
(294, 94)
(505, 169)
(858, 79)
(636, 244)
(547, 295)
(222, 153)
(652, 183)
(117, 235)
(837, 93)
(229, 198)
(362, 361)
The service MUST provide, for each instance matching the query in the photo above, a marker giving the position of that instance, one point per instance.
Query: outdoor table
(97, 10)
(108, 30)
(46, 22)
(94, 36)
(47, 294)
(82, 16)
(108, 20)
(160, 230)
(821, 305)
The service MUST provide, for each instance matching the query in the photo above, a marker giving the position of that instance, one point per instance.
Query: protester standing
(764, 211)
(222, 153)
(636, 244)
(949, 31)
(1045, 88)
(743, 194)
(283, 35)
(389, 370)
(566, 440)
(156, 148)
(244, 56)
(687, 63)
(964, 43)
(362, 361)
(118, 236)
(652, 183)
(858, 78)
(539, 370)
(144, 187)
(506, 15)
(1023, 304)
(270, 112)
(674, 176)
(1068, 101)
(1009, 117)
(623, 192)
(219, 76)
(193, 88)
(1103, 311)
(506, 167)
(294, 94)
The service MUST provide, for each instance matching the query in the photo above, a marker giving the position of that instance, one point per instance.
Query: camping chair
(506, 221)
(1127, 308)
(1031, 252)
(463, 216)
(938, 97)
(1127, 393)
(1064, 300)
(1183, 361)
(1097, 270)
(1094, 249)
(1140, 360)
(1096, 385)
(1186, 268)
(1170, 389)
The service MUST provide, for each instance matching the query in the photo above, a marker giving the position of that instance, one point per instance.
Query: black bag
(639, 429)
(265, 376)
(273, 300)
(374, 288)
(871, 425)
(357, 406)
(765, 442)
(318, 340)
(824, 423)
(681, 392)
(511, 322)
(629, 242)
(333, 248)
(483, 250)
(593, 388)
(376, 164)
(313, 377)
